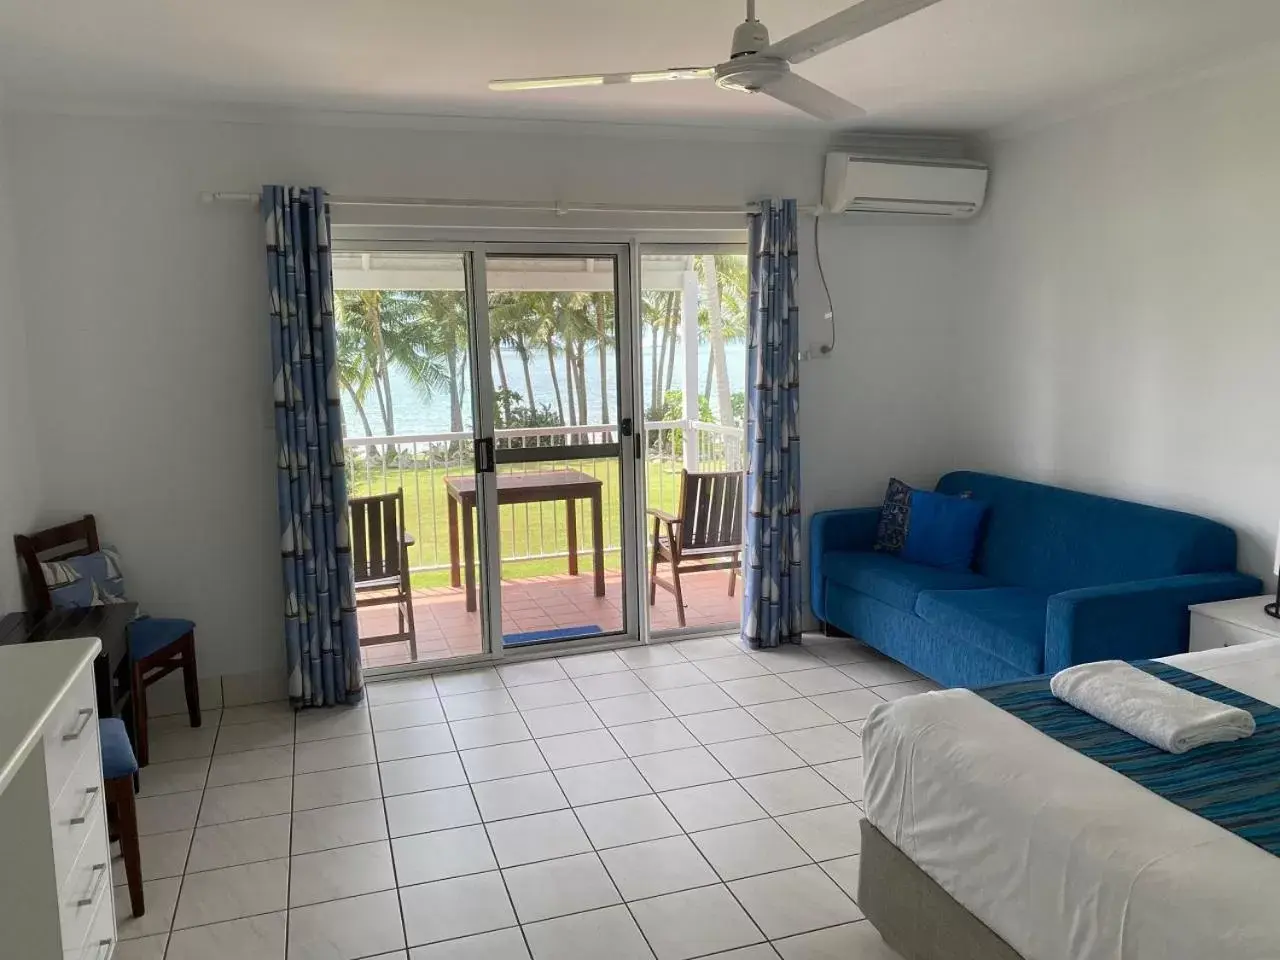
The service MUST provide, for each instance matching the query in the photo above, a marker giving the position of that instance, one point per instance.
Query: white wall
(19, 470)
(1125, 336)
(149, 344)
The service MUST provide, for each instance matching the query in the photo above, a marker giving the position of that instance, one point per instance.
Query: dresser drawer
(100, 939)
(88, 882)
(73, 723)
(78, 807)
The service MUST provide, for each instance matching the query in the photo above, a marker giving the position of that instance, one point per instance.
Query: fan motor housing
(750, 76)
(750, 37)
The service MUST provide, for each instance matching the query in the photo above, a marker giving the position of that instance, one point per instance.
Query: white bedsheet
(1062, 857)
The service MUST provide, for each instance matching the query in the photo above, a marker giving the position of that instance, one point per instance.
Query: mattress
(1063, 857)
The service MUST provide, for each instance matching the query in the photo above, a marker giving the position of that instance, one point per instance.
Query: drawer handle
(86, 714)
(104, 948)
(100, 875)
(90, 798)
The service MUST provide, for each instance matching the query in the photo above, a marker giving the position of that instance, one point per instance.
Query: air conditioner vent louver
(915, 187)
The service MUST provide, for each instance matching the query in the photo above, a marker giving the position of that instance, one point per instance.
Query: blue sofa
(1060, 578)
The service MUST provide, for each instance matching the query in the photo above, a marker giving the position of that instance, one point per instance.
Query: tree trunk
(455, 391)
(555, 380)
(568, 385)
(580, 375)
(655, 355)
(597, 301)
(504, 386)
(706, 383)
(715, 323)
(674, 338)
(364, 417)
(523, 351)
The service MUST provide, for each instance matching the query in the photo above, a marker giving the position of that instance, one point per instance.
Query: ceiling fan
(757, 66)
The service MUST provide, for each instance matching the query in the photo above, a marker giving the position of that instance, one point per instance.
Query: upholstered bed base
(914, 915)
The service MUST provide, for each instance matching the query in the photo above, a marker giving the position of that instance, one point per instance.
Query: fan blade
(604, 79)
(842, 27)
(794, 90)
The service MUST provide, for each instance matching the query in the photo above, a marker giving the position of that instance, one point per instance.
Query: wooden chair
(157, 645)
(707, 534)
(380, 547)
(118, 770)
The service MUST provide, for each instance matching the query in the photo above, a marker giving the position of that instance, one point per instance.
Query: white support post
(689, 342)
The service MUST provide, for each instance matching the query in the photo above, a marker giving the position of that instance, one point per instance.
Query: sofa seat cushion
(1007, 622)
(893, 580)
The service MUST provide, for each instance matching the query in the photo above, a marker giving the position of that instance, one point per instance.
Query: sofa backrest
(1049, 538)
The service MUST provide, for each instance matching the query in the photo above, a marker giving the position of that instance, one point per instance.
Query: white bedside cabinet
(55, 861)
(1232, 622)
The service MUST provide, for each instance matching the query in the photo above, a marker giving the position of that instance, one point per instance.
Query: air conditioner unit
(912, 186)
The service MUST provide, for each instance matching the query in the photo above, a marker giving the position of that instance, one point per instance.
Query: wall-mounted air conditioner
(911, 186)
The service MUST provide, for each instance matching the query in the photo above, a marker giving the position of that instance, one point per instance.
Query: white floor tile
(168, 813)
(409, 713)
(670, 676)
(421, 773)
(253, 712)
(656, 867)
(317, 755)
(823, 744)
(176, 776)
(909, 688)
(634, 820)
(598, 782)
(431, 810)
(878, 672)
(853, 941)
(332, 722)
(592, 664)
(143, 948)
(484, 703)
(855, 726)
(783, 715)
(711, 805)
(731, 668)
(397, 691)
(232, 892)
(579, 749)
(753, 690)
(746, 758)
(845, 873)
(182, 743)
(653, 736)
(341, 872)
(347, 929)
(820, 680)
(245, 801)
(827, 833)
(708, 648)
(489, 731)
(694, 923)
(759, 952)
(722, 725)
(531, 696)
(253, 938)
(425, 857)
(268, 764)
(533, 671)
(849, 704)
(543, 836)
(845, 775)
(608, 933)
(161, 898)
(259, 735)
(519, 796)
(745, 849)
(652, 655)
(406, 742)
(794, 901)
(242, 841)
(163, 855)
(455, 908)
(458, 682)
(696, 698)
(502, 761)
(680, 768)
(553, 721)
(785, 659)
(499, 945)
(331, 787)
(607, 685)
(342, 826)
(554, 888)
(790, 791)
(634, 708)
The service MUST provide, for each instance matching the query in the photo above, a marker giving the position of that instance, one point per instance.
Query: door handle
(624, 426)
(484, 455)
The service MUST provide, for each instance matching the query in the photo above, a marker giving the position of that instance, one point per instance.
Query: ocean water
(416, 414)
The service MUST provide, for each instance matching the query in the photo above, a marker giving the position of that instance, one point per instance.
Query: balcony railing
(419, 463)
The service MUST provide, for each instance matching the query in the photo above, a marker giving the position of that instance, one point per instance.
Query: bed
(986, 840)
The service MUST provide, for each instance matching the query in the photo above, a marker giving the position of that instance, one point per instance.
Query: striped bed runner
(1235, 785)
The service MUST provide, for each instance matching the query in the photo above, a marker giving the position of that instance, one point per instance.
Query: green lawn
(525, 529)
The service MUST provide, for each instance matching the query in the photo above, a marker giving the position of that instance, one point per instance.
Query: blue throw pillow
(929, 528)
(87, 581)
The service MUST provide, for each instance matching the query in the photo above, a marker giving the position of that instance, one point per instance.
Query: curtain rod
(559, 208)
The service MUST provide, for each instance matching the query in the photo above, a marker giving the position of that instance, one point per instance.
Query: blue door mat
(540, 636)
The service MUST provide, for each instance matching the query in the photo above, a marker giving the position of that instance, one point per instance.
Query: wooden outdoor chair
(706, 535)
(380, 547)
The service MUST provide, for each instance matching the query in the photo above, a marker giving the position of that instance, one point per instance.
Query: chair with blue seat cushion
(66, 566)
(118, 769)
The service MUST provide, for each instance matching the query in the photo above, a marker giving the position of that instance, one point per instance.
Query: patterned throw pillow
(88, 581)
(895, 515)
(930, 528)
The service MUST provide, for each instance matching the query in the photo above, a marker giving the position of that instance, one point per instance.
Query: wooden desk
(567, 485)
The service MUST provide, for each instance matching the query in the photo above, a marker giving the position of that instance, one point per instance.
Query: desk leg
(597, 536)
(469, 557)
(571, 522)
(455, 580)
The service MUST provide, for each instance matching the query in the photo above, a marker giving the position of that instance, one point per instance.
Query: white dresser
(1231, 622)
(55, 861)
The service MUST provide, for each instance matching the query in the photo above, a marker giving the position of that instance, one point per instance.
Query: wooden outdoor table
(567, 485)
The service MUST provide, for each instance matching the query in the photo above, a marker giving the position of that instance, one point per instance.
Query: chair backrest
(74, 539)
(377, 535)
(711, 510)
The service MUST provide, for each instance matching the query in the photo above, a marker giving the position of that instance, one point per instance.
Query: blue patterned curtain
(320, 635)
(771, 613)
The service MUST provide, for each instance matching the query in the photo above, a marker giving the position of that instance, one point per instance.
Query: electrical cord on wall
(826, 348)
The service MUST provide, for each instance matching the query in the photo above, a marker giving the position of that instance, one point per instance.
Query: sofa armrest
(836, 530)
(1139, 620)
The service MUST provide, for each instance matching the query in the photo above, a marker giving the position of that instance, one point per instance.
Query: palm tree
(725, 290)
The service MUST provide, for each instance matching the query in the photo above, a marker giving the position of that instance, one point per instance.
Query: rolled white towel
(1143, 705)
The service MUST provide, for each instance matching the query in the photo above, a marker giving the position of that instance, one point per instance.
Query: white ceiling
(960, 65)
